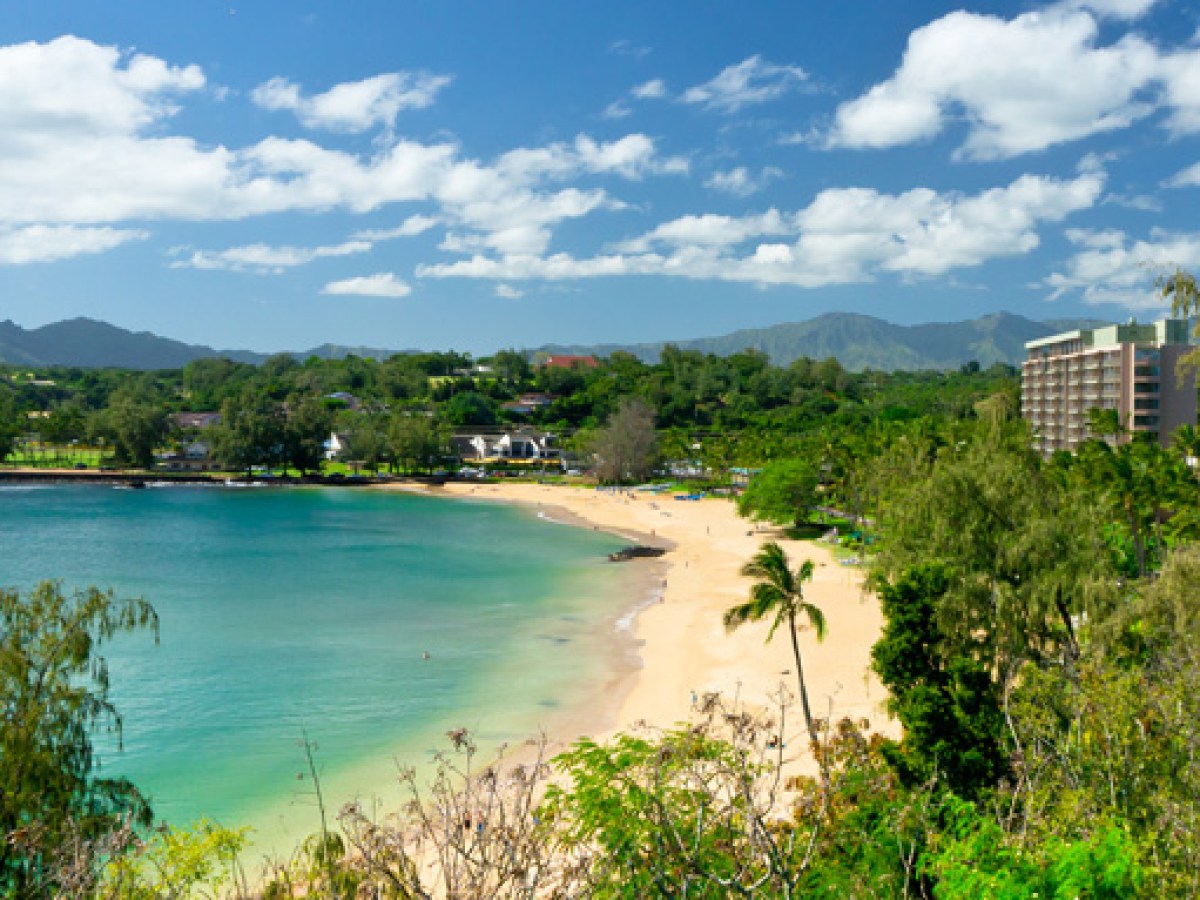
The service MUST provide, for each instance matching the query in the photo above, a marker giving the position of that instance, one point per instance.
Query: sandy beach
(683, 646)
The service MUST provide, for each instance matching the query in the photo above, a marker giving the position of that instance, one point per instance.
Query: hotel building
(1129, 368)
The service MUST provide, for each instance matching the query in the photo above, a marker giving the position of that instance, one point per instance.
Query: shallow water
(287, 612)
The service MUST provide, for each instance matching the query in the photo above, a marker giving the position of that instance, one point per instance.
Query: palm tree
(1186, 440)
(779, 593)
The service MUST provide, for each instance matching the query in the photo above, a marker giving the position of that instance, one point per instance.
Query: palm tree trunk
(808, 717)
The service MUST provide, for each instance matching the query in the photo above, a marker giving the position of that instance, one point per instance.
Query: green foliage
(946, 701)
(667, 818)
(782, 493)
(976, 860)
(1023, 556)
(9, 424)
(54, 695)
(251, 432)
(307, 425)
(469, 408)
(418, 442)
(177, 862)
(137, 425)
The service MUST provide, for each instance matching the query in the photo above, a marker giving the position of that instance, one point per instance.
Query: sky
(473, 175)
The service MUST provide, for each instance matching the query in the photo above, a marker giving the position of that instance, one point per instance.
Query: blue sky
(476, 175)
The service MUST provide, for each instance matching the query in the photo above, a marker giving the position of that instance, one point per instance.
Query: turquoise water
(285, 611)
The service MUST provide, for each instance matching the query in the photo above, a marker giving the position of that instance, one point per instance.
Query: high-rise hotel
(1129, 368)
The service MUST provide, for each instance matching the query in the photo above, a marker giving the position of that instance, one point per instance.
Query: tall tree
(626, 448)
(783, 493)
(306, 427)
(779, 593)
(137, 424)
(54, 695)
(251, 431)
(947, 701)
(417, 441)
(9, 425)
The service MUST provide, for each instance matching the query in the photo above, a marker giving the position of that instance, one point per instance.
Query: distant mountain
(858, 342)
(90, 344)
(864, 342)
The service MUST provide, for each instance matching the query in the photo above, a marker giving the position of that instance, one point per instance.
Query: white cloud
(740, 182)
(625, 47)
(753, 80)
(86, 144)
(48, 243)
(1110, 268)
(1025, 84)
(382, 284)
(262, 258)
(845, 235)
(508, 292)
(410, 227)
(1114, 9)
(1181, 76)
(1189, 177)
(633, 156)
(617, 110)
(1139, 202)
(353, 106)
(710, 230)
(76, 89)
(655, 89)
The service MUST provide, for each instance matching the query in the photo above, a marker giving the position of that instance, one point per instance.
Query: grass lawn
(55, 457)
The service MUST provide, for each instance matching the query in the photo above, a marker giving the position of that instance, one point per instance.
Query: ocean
(289, 613)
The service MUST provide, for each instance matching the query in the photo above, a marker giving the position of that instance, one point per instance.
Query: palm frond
(816, 619)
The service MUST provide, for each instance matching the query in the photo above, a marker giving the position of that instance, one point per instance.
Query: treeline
(400, 411)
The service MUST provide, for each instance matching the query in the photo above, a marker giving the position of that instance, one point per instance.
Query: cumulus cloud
(633, 156)
(845, 235)
(740, 182)
(710, 230)
(87, 144)
(508, 292)
(381, 284)
(77, 89)
(262, 258)
(48, 243)
(1109, 267)
(355, 106)
(1024, 84)
(753, 80)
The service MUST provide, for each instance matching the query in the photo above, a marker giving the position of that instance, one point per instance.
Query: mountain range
(864, 342)
(89, 344)
(857, 341)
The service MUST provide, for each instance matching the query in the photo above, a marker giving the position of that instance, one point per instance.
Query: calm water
(292, 610)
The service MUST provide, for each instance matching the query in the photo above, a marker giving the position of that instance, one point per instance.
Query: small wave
(17, 488)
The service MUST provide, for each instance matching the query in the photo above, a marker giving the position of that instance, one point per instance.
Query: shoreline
(679, 645)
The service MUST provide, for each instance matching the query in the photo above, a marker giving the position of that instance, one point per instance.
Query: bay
(293, 612)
